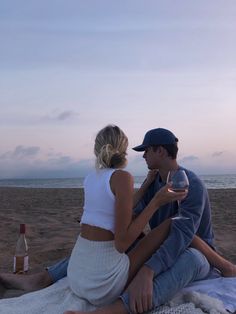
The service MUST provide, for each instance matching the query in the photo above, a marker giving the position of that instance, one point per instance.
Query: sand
(51, 222)
(51, 217)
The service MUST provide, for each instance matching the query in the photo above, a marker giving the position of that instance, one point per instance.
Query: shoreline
(51, 216)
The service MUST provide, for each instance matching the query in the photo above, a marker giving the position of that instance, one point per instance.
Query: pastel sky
(68, 68)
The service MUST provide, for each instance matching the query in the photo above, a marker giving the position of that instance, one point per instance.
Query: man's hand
(140, 291)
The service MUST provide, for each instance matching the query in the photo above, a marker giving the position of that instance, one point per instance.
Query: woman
(107, 227)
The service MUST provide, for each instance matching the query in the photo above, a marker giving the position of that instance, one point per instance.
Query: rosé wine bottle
(21, 258)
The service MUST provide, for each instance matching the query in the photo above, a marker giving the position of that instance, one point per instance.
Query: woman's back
(99, 206)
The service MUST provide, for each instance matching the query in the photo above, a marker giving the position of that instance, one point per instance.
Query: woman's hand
(166, 195)
(144, 187)
(151, 176)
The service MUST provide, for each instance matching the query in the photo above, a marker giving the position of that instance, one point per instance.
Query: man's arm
(182, 231)
(181, 234)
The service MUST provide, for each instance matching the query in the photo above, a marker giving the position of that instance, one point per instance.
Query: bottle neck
(22, 229)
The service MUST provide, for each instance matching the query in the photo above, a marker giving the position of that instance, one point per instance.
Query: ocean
(211, 181)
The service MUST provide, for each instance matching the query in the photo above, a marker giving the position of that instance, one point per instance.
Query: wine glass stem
(178, 211)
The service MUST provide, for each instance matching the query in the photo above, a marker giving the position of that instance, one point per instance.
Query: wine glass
(180, 183)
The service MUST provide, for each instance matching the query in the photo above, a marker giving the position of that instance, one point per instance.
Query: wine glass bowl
(179, 183)
(179, 180)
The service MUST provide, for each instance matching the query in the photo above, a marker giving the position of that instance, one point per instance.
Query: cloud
(189, 159)
(56, 115)
(33, 162)
(21, 152)
(34, 119)
(67, 115)
(221, 162)
(218, 154)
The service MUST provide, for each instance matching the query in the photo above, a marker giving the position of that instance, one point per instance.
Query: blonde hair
(110, 147)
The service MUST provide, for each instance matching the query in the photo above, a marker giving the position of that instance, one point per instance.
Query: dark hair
(172, 149)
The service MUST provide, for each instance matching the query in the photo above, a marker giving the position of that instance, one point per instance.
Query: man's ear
(162, 151)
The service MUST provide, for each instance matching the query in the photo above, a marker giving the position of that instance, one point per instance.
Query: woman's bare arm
(126, 229)
(143, 189)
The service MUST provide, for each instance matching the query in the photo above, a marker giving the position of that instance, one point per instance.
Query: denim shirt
(195, 206)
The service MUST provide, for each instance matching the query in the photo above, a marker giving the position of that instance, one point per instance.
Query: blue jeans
(58, 270)
(190, 266)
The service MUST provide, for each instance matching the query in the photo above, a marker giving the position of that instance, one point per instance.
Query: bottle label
(21, 264)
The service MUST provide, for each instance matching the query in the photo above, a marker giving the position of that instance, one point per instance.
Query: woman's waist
(94, 233)
(95, 256)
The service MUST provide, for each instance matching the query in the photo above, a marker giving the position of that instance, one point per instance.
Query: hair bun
(106, 155)
(110, 147)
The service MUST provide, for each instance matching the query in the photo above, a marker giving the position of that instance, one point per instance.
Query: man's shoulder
(194, 178)
(191, 174)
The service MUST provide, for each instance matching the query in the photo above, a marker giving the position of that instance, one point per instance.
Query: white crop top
(99, 200)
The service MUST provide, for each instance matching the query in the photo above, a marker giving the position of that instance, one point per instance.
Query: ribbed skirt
(97, 271)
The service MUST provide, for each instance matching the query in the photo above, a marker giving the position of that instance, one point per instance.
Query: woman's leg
(226, 268)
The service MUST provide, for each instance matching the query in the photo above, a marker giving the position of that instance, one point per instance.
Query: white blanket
(223, 289)
(212, 296)
(58, 298)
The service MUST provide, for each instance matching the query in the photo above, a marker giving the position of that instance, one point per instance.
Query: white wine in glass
(180, 183)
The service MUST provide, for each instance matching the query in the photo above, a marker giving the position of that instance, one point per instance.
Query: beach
(51, 217)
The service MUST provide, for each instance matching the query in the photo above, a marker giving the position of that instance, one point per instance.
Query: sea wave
(211, 182)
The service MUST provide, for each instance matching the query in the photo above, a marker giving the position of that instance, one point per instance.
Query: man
(165, 273)
(160, 152)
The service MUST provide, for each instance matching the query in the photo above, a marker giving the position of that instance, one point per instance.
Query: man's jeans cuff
(58, 270)
(125, 299)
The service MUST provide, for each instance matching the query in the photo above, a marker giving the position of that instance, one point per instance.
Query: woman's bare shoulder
(121, 175)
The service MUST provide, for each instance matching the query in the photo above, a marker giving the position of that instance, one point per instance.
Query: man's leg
(58, 270)
(36, 281)
(190, 266)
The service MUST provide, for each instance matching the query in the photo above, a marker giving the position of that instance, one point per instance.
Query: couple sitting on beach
(106, 272)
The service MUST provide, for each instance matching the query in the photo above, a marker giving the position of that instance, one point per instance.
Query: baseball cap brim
(140, 148)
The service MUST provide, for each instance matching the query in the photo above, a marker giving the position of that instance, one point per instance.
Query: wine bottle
(21, 258)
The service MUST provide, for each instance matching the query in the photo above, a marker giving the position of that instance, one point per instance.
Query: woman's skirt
(97, 271)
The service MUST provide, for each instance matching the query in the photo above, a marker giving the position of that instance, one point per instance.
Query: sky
(70, 67)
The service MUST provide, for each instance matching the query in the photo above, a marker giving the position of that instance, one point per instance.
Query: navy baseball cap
(157, 136)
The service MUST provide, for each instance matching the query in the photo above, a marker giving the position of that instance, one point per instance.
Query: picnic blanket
(197, 298)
